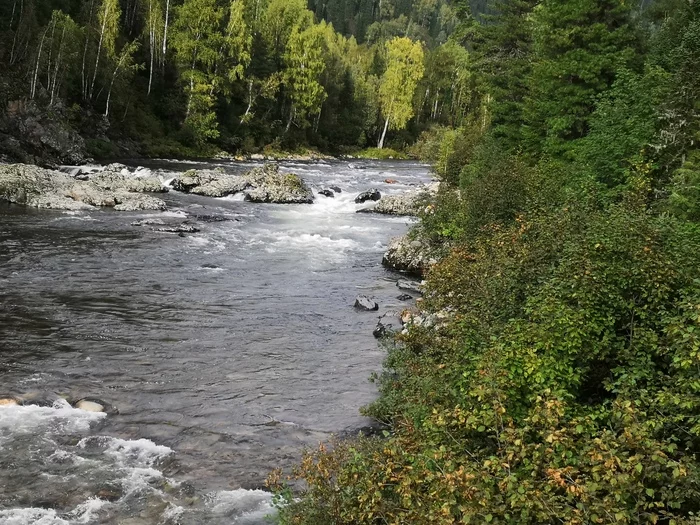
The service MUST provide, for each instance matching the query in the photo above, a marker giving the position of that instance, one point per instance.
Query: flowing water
(224, 352)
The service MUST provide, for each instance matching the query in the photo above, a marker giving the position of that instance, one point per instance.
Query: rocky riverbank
(44, 188)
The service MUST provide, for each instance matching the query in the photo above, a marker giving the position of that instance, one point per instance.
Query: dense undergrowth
(562, 382)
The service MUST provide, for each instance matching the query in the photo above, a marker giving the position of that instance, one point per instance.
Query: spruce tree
(579, 46)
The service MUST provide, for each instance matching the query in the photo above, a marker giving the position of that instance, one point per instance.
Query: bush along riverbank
(559, 383)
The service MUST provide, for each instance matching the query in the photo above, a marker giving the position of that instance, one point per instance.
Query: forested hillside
(552, 372)
(178, 77)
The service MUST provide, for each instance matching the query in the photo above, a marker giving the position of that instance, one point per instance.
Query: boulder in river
(327, 193)
(369, 195)
(387, 324)
(42, 188)
(271, 186)
(404, 297)
(336, 189)
(92, 404)
(261, 184)
(363, 302)
(409, 255)
(410, 286)
(408, 203)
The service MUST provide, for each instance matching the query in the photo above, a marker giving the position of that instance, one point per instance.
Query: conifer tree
(579, 47)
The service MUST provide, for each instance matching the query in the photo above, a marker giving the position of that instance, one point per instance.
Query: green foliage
(398, 85)
(623, 125)
(379, 154)
(504, 54)
(101, 149)
(551, 374)
(305, 65)
(579, 46)
(684, 199)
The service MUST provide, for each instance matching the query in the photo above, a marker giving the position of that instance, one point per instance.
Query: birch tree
(197, 42)
(305, 63)
(107, 31)
(404, 70)
(154, 33)
(123, 64)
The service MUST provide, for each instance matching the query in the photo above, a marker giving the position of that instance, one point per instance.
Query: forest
(188, 77)
(551, 375)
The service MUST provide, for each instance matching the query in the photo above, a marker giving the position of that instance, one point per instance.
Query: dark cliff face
(31, 135)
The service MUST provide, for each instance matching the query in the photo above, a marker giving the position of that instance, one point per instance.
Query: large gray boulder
(261, 184)
(42, 188)
(405, 204)
(410, 255)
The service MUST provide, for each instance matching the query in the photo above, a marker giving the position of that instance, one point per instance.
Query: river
(225, 352)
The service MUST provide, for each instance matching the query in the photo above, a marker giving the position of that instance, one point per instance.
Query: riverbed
(224, 353)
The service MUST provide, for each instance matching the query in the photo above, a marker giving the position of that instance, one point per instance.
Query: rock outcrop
(30, 134)
(409, 255)
(407, 204)
(42, 188)
(263, 184)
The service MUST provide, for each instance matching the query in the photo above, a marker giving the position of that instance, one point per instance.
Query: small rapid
(224, 352)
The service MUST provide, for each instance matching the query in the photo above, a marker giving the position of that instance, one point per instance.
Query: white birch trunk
(38, 61)
(165, 30)
(99, 52)
(381, 140)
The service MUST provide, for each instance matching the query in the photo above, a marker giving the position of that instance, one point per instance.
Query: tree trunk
(165, 30)
(99, 52)
(36, 69)
(381, 140)
(250, 101)
(152, 43)
(54, 82)
(13, 57)
(83, 78)
(289, 122)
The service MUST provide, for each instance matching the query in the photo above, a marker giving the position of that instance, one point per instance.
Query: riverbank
(32, 136)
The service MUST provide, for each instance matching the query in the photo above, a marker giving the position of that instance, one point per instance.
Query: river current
(225, 353)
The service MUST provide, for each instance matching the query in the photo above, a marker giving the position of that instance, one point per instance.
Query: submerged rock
(91, 404)
(327, 193)
(369, 195)
(404, 297)
(42, 188)
(149, 222)
(336, 189)
(6, 400)
(363, 302)
(182, 228)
